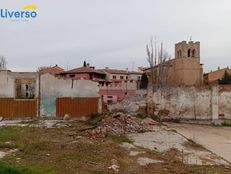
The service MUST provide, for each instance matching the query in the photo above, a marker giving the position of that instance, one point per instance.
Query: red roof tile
(84, 70)
(52, 70)
(115, 71)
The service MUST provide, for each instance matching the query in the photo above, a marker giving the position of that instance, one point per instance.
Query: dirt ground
(215, 138)
(62, 147)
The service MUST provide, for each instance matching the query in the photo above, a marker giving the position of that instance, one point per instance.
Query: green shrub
(226, 123)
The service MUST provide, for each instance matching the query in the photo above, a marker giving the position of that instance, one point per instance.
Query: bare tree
(2, 63)
(163, 67)
(159, 72)
(159, 65)
(152, 61)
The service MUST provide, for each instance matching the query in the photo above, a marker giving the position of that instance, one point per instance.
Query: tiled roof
(84, 70)
(115, 71)
(135, 72)
(52, 70)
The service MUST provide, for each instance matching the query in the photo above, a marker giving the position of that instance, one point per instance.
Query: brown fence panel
(12, 108)
(76, 107)
(25, 108)
(6, 107)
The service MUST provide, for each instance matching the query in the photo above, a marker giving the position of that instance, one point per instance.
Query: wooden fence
(76, 107)
(12, 108)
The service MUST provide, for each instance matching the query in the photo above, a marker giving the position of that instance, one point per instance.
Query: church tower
(187, 50)
(186, 67)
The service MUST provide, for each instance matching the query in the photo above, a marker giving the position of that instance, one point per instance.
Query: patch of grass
(198, 169)
(4, 145)
(34, 169)
(226, 123)
(36, 146)
(121, 139)
(67, 157)
(11, 133)
(6, 168)
(95, 172)
(122, 164)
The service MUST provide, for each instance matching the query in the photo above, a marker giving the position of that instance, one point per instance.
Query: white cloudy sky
(113, 33)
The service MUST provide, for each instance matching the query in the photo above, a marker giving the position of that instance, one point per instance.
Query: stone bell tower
(187, 50)
(186, 67)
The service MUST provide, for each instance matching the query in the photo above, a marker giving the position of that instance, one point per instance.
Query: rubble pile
(121, 124)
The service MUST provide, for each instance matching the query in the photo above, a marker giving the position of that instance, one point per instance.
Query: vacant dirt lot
(53, 147)
(214, 138)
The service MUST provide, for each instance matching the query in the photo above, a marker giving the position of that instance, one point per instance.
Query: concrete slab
(213, 138)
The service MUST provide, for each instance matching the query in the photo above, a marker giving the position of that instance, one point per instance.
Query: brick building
(114, 85)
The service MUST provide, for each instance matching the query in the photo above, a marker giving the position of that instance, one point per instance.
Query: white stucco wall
(7, 82)
(193, 103)
(7, 85)
(53, 87)
(187, 103)
(225, 104)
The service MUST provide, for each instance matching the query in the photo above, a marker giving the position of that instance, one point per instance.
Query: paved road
(215, 139)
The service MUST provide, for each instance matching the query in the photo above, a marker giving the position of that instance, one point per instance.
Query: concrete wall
(192, 103)
(53, 87)
(6, 85)
(7, 82)
(224, 103)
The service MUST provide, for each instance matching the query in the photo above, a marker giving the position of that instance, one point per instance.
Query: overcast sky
(113, 33)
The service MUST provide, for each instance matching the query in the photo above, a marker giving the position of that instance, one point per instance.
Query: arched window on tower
(189, 53)
(180, 53)
(193, 53)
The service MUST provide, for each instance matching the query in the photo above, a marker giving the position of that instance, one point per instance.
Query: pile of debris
(121, 124)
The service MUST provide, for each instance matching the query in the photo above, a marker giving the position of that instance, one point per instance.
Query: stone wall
(208, 102)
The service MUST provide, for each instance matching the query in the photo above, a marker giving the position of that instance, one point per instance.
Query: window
(180, 54)
(126, 77)
(121, 77)
(189, 53)
(114, 77)
(25, 88)
(193, 53)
